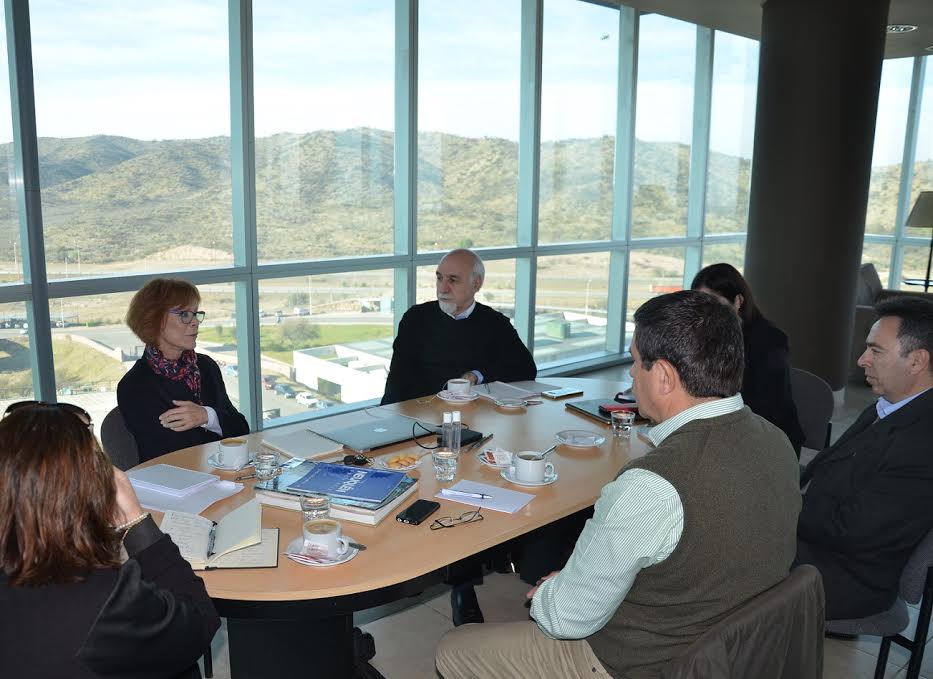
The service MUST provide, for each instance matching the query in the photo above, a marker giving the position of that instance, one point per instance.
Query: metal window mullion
(29, 197)
(406, 154)
(529, 165)
(907, 170)
(624, 171)
(243, 178)
(699, 148)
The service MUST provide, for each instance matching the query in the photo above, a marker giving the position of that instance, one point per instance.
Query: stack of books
(356, 494)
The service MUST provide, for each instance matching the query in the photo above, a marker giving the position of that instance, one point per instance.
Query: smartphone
(417, 512)
(562, 393)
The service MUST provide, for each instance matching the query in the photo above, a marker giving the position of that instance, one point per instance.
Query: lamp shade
(922, 214)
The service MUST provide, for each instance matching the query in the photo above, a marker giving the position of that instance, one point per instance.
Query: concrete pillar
(818, 80)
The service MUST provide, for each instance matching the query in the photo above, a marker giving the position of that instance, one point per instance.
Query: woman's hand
(128, 507)
(187, 415)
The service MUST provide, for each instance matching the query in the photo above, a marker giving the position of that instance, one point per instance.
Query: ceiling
(743, 17)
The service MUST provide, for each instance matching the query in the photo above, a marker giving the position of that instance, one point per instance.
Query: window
(578, 121)
(730, 253)
(653, 272)
(923, 160)
(328, 335)
(133, 118)
(324, 128)
(663, 126)
(11, 258)
(879, 255)
(732, 134)
(571, 308)
(15, 366)
(468, 120)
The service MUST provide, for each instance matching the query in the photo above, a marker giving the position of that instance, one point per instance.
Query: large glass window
(880, 255)
(663, 126)
(652, 272)
(324, 340)
(923, 159)
(731, 134)
(498, 289)
(571, 308)
(888, 153)
(578, 121)
(730, 253)
(324, 128)
(15, 367)
(468, 121)
(11, 259)
(133, 118)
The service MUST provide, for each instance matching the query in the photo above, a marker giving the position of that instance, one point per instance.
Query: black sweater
(431, 348)
(150, 619)
(143, 396)
(766, 381)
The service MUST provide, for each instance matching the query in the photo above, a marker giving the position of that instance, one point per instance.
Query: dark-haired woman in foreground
(68, 607)
(766, 381)
(173, 398)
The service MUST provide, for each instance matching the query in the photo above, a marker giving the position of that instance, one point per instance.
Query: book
(525, 389)
(342, 481)
(345, 510)
(168, 479)
(236, 541)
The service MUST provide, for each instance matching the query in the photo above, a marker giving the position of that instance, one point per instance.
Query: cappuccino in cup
(530, 467)
(234, 452)
(323, 535)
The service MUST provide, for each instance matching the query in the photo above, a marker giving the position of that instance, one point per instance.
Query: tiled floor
(407, 632)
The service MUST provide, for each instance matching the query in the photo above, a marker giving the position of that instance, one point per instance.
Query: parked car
(285, 390)
(300, 311)
(268, 381)
(231, 369)
(306, 398)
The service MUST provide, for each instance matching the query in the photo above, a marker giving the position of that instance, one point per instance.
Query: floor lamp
(921, 217)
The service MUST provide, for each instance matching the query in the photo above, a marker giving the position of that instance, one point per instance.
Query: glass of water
(267, 465)
(445, 464)
(622, 421)
(314, 506)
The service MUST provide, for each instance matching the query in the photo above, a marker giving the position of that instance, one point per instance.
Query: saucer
(580, 438)
(294, 552)
(451, 397)
(548, 480)
(481, 456)
(212, 461)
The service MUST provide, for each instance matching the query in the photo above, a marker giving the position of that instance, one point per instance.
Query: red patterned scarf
(184, 369)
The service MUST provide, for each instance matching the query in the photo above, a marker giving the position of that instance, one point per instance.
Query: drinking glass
(314, 506)
(622, 421)
(267, 465)
(445, 464)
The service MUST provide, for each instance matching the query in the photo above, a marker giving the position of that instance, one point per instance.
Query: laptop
(377, 433)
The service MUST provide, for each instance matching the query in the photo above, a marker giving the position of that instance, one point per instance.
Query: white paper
(191, 533)
(194, 503)
(523, 389)
(260, 555)
(168, 479)
(240, 528)
(302, 443)
(501, 500)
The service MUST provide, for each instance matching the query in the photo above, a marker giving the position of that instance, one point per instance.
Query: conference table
(295, 618)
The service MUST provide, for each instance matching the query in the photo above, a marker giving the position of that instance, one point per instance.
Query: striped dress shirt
(637, 522)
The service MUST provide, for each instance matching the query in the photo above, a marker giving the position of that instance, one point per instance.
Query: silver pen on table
(451, 491)
(477, 444)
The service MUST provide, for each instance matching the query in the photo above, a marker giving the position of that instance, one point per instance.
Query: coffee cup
(458, 386)
(323, 535)
(530, 467)
(234, 452)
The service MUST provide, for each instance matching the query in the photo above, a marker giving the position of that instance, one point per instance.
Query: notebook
(590, 408)
(378, 432)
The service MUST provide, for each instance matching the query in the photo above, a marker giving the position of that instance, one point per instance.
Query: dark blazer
(868, 505)
(431, 348)
(143, 396)
(766, 380)
(150, 618)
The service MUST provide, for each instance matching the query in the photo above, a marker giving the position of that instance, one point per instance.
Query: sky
(160, 70)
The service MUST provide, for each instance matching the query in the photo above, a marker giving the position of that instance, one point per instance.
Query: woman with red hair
(71, 606)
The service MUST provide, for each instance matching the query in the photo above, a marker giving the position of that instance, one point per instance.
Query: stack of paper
(174, 481)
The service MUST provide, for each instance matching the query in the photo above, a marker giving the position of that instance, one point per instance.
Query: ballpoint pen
(451, 491)
(479, 443)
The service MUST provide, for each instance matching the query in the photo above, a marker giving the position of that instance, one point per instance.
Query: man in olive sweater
(700, 525)
(455, 336)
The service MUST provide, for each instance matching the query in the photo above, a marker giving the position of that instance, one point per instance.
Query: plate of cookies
(399, 462)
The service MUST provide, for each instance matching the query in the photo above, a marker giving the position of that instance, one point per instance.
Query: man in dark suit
(869, 497)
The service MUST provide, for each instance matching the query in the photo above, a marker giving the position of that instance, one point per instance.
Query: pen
(479, 443)
(451, 491)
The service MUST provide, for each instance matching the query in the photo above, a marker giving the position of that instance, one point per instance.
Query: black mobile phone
(417, 512)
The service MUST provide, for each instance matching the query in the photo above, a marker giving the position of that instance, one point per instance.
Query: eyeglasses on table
(471, 516)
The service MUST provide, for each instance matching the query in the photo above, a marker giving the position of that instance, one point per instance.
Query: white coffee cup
(458, 386)
(530, 467)
(234, 452)
(323, 535)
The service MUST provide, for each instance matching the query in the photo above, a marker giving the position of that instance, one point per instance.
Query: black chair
(916, 585)
(814, 400)
(118, 442)
(776, 635)
(120, 445)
